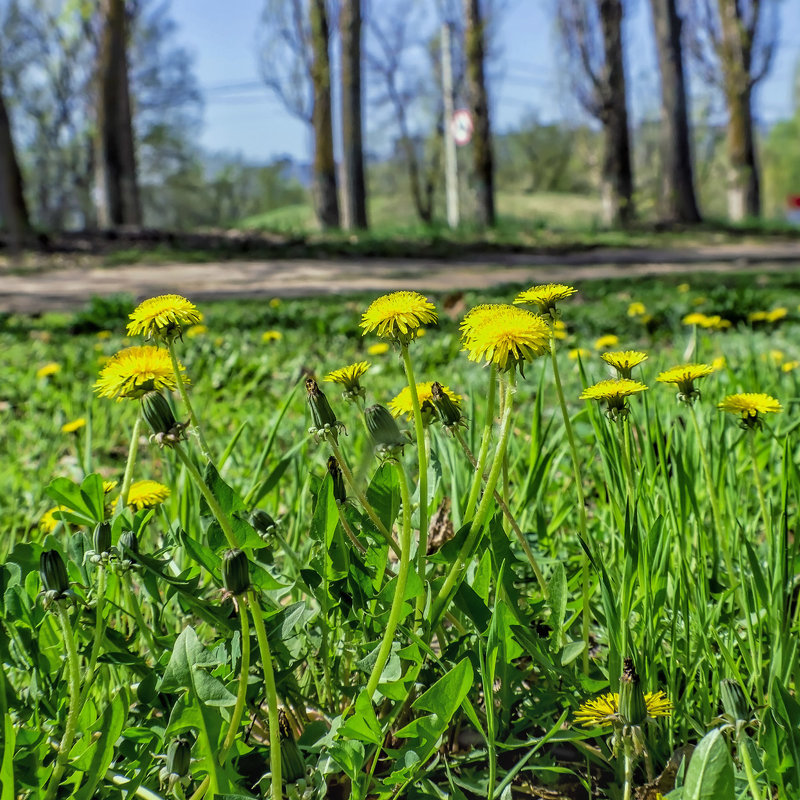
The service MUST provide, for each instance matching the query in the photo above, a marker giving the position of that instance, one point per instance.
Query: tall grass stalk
(133, 447)
(204, 448)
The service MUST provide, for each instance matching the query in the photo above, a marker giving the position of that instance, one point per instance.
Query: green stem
(747, 763)
(99, 628)
(759, 485)
(133, 606)
(483, 453)
(400, 589)
(349, 531)
(442, 599)
(628, 786)
(272, 698)
(512, 521)
(208, 495)
(624, 447)
(422, 480)
(241, 694)
(73, 682)
(361, 496)
(187, 402)
(132, 449)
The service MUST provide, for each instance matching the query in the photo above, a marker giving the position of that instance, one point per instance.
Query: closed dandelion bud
(632, 705)
(157, 412)
(128, 542)
(734, 701)
(339, 492)
(179, 758)
(293, 766)
(235, 572)
(321, 412)
(263, 524)
(382, 428)
(448, 411)
(53, 572)
(101, 539)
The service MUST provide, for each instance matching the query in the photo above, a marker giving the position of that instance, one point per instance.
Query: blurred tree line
(100, 114)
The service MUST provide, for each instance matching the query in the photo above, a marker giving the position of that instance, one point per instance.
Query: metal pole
(450, 154)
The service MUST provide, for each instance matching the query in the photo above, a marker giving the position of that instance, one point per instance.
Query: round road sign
(461, 126)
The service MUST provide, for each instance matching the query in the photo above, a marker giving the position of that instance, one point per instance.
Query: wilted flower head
(397, 315)
(163, 317)
(322, 416)
(382, 428)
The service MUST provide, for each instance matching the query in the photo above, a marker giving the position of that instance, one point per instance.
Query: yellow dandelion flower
(683, 288)
(275, 302)
(788, 366)
(684, 376)
(716, 323)
(378, 349)
(604, 342)
(777, 314)
(636, 309)
(398, 315)
(695, 318)
(749, 405)
(719, 363)
(777, 357)
(579, 352)
(271, 336)
(402, 403)
(163, 317)
(698, 301)
(757, 316)
(134, 371)
(103, 334)
(624, 361)
(145, 494)
(604, 710)
(48, 369)
(614, 393)
(109, 486)
(51, 518)
(504, 335)
(545, 296)
(350, 378)
(559, 329)
(196, 330)
(73, 425)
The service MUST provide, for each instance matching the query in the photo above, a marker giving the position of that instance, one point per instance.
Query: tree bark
(617, 171)
(354, 192)
(479, 103)
(326, 203)
(13, 210)
(678, 201)
(115, 159)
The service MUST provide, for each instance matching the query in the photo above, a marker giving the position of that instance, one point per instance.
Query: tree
(592, 33)
(678, 202)
(734, 44)
(115, 159)
(474, 46)
(13, 209)
(354, 191)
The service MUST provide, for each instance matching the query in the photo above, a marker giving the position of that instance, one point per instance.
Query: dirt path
(70, 288)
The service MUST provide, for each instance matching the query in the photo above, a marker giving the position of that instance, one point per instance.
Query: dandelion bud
(179, 756)
(734, 701)
(263, 524)
(53, 572)
(334, 470)
(322, 416)
(292, 763)
(128, 542)
(156, 410)
(102, 538)
(632, 705)
(235, 572)
(383, 429)
(448, 411)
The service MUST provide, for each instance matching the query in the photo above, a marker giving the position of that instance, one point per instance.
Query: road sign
(793, 208)
(461, 126)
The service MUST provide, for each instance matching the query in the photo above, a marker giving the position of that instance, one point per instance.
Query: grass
(694, 597)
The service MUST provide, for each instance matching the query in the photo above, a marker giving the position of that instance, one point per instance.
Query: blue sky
(529, 75)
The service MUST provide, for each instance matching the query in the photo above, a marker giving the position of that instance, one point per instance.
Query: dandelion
(624, 361)
(163, 317)
(636, 309)
(397, 316)
(109, 486)
(378, 349)
(196, 330)
(103, 334)
(777, 314)
(615, 393)
(604, 710)
(402, 403)
(777, 357)
(350, 378)
(579, 352)
(135, 371)
(789, 366)
(545, 296)
(757, 316)
(559, 329)
(716, 323)
(74, 425)
(271, 336)
(146, 494)
(683, 288)
(48, 369)
(504, 335)
(51, 519)
(695, 318)
(275, 302)
(604, 342)
(719, 363)
(683, 377)
(749, 405)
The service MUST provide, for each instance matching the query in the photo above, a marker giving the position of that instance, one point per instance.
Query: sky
(241, 116)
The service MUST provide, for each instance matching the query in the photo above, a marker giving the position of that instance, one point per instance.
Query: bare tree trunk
(115, 161)
(354, 192)
(479, 103)
(13, 209)
(326, 203)
(678, 201)
(617, 171)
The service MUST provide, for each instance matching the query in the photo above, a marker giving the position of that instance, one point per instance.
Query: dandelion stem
(759, 485)
(747, 763)
(241, 694)
(400, 588)
(186, 401)
(624, 446)
(422, 480)
(483, 453)
(272, 697)
(99, 627)
(129, 464)
(628, 785)
(208, 495)
(349, 531)
(73, 682)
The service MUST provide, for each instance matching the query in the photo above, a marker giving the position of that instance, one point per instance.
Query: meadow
(607, 605)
